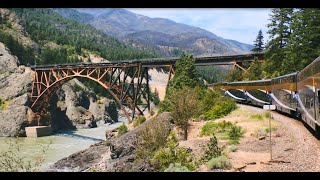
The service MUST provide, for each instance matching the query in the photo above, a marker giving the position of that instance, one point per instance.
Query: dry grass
(251, 120)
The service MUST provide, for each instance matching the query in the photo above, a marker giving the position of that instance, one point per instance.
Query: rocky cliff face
(15, 82)
(70, 108)
(78, 108)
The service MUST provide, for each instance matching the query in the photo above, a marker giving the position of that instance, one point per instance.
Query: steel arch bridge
(127, 81)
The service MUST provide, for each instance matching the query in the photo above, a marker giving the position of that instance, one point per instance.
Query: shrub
(233, 148)
(172, 153)
(209, 99)
(154, 97)
(224, 125)
(153, 137)
(267, 115)
(221, 162)
(176, 168)
(261, 132)
(2, 104)
(208, 129)
(272, 129)
(235, 132)
(212, 149)
(233, 142)
(221, 109)
(122, 129)
(139, 120)
(257, 116)
(152, 112)
(184, 107)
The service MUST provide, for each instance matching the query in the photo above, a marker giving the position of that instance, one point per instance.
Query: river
(55, 147)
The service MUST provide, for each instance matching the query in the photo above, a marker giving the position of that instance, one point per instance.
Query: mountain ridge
(129, 28)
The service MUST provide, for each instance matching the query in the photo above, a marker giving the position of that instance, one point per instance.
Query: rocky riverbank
(115, 155)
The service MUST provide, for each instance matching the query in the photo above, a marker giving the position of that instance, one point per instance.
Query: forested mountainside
(161, 35)
(59, 40)
(42, 36)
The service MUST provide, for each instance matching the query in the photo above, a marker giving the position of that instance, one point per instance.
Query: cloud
(233, 23)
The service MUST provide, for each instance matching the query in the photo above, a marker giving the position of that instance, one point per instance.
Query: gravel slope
(293, 146)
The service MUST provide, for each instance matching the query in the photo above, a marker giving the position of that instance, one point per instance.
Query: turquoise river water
(55, 147)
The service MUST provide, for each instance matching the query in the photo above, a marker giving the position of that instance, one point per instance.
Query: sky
(240, 24)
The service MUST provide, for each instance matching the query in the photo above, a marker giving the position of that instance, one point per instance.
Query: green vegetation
(153, 137)
(14, 160)
(208, 99)
(258, 43)
(211, 128)
(184, 107)
(152, 111)
(235, 132)
(46, 25)
(233, 148)
(176, 168)
(212, 150)
(139, 120)
(172, 153)
(272, 129)
(294, 43)
(154, 97)
(260, 132)
(212, 74)
(60, 40)
(185, 76)
(221, 162)
(223, 130)
(122, 130)
(221, 108)
(267, 115)
(254, 72)
(208, 129)
(257, 116)
(3, 104)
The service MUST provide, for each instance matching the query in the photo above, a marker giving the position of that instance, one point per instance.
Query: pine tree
(258, 43)
(280, 32)
(304, 43)
(185, 75)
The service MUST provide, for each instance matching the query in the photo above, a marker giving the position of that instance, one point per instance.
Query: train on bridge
(296, 94)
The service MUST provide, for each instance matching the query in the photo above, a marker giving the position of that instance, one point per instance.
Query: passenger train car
(297, 94)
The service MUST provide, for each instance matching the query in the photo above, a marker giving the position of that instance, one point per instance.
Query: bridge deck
(160, 62)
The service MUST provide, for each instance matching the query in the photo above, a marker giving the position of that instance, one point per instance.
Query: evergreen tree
(304, 43)
(258, 43)
(295, 40)
(185, 76)
(280, 31)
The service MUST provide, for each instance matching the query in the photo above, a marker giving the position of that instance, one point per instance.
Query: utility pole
(270, 117)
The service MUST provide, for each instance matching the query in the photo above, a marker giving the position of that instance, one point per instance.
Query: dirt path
(294, 148)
